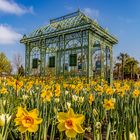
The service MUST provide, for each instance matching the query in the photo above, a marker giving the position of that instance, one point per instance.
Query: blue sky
(18, 17)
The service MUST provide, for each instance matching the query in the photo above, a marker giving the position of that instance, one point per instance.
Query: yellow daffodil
(72, 86)
(65, 85)
(136, 93)
(132, 136)
(3, 90)
(109, 104)
(27, 121)
(126, 87)
(70, 123)
(46, 95)
(91, 98)
(57, 91)
(29, 86)
(109, 91)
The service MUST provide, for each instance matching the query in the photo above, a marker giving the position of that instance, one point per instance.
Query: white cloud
(94, 13)
(11, 7)
(8, 35)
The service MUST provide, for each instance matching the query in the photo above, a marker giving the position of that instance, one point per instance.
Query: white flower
(57, 100)
(95, 113)
(75, 98)
(84, 90)
(98, 125)
(25, 97)
(88, 129)
(4, 102)
(68, 105)
(132, 136)
(66, 92)
(4, 118)
(81, 99)
(114, 100)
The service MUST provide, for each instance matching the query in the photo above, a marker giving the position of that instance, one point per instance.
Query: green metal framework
(73, 37)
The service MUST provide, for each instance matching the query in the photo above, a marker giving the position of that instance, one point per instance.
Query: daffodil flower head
(70, 123)
(109, 103)
(27, 121)
(81, 100)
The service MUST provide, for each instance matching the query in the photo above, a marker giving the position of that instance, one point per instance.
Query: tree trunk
(131, 71)
(118, 72)
(122, 68)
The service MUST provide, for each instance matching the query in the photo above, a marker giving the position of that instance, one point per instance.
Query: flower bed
(58, 108)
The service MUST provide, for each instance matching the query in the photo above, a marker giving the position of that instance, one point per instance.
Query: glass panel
(52, 61)
(73, 59)
(96, 61)
(108, 63)
(73, 62)
(73, 44)
(34, 63)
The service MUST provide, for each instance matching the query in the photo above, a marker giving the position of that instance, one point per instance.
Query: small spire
(78, 11)
(106, 29)
(24, 36)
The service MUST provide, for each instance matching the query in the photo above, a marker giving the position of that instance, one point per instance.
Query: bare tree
(17, 61)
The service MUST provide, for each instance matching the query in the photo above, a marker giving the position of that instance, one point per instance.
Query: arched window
(107, 62)
(96, 55)
(35, 57)
(96, 58)
(73, 44)
(35, 53)
(53, 46)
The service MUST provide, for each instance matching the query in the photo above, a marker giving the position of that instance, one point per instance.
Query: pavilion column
(60, 45)
(102, 61)
(42, 57)
(111, 65)
(89, 56)
(56, 62)
(82, 51)
(64, 54)
(57, 59)
(27, 59)
(107, 53)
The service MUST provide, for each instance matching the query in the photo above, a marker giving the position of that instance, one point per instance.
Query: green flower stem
(108, 131)
(26, 136)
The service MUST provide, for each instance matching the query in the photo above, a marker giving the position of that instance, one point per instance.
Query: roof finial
(78, 11)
